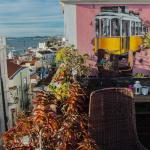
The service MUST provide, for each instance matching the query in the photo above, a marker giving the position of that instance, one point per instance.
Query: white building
(10, 55)
(42, 45)
(31, 65)
(19, 84)
(47, 55)
(70, 24)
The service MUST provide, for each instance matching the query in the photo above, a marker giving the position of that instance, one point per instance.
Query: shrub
(58, 121)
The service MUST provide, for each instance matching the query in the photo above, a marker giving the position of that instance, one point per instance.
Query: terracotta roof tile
(12, 68)
(32, 62)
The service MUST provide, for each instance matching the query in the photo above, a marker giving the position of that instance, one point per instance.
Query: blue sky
(19, 18)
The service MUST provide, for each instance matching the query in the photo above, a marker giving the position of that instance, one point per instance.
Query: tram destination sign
(116, 9)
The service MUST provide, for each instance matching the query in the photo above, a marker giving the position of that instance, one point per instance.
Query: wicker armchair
(112, 121)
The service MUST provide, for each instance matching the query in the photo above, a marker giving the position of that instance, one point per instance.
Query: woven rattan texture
(112, 121)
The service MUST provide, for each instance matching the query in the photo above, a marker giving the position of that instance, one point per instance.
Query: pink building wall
(85, 22)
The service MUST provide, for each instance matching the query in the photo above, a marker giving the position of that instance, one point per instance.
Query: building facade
(79, 19)
(19, 85)
(3, 86)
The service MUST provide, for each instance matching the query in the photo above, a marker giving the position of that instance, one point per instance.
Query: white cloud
(40, 15)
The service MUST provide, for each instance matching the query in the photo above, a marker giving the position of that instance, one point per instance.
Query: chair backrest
(112, 118)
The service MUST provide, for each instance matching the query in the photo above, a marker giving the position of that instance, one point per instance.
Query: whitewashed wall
(18, 81)
(70, 30)
(4, 75)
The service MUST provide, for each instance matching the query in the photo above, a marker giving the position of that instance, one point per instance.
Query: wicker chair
(112, 121)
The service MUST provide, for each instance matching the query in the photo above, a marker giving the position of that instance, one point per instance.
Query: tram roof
(118, 15)
(106, 1)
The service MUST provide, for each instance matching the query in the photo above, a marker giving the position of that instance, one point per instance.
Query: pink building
(79, 18)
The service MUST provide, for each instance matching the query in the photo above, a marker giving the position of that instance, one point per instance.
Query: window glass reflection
(136, 28)
(132, 28)
(105, 27)
(125, 28)
(140, 28)
(97, 27)
(115, 27)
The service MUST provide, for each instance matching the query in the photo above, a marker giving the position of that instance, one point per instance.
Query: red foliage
(65, 129)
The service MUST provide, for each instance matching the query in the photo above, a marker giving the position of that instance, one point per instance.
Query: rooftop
(34, 76)
(12, 68)
(53, 49)
(32, 62)
(105, 1)
(45, 52)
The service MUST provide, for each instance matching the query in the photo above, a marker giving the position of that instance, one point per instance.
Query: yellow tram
(118, 30)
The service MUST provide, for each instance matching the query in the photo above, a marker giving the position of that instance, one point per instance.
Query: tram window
(146, 30)
(143, 30)
(140, 28)
(97, 27)
(105, 27)
(125, 28)
(115, 27)
(132, 28)
(136, 28)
